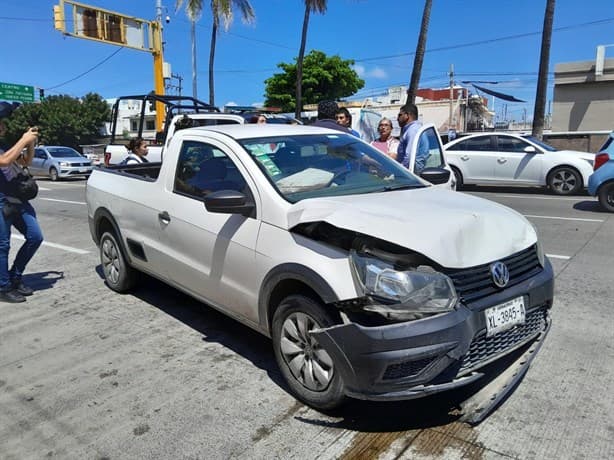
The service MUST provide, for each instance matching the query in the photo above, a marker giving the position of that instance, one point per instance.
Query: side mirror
(435, 175)
(530, 149)
(229, 202)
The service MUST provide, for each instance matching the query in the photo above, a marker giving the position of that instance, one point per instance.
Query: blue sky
(379, 35)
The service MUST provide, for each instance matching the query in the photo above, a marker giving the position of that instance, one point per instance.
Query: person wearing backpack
(17, 213)
(138, 152)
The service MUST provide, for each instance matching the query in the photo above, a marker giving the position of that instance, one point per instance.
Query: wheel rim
(53, 174)
(110, 261)
(610, 197)
(309, 363)
(564, 181)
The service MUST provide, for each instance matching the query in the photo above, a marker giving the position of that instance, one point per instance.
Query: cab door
(436, 169)
(209, 254)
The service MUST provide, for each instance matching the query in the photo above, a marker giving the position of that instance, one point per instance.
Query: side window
(481, 144)
(40, 153)
(203, 168)
(428, 142)
(510, 144)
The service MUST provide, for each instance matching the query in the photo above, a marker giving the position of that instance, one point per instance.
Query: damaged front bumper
(418, 358)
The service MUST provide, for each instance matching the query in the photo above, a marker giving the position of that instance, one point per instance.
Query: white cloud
(231, 103)
(377, 72)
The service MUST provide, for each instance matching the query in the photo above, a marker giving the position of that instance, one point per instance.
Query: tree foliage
(62, 120)
(324, 78)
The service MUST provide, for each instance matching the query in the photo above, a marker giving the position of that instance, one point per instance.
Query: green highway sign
(13, 92)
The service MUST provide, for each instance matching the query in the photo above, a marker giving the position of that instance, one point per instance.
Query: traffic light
(58, 18)
(41, 94)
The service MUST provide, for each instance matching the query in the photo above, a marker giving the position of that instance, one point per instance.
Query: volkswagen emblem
(500, 274)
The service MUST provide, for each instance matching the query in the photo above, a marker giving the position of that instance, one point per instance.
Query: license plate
(505, 316)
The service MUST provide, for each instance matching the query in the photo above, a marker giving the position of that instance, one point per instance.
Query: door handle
(164, 217)
(464, 158)
(502, 160)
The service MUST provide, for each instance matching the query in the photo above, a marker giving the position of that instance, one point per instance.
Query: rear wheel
(458, 176)
(564, 180)
(606, 196)
(120, 276)
(53, 174)
(306, 366)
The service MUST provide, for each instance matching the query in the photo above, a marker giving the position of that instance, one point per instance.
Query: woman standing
(14, 212)
(138, 151)
(386, 142)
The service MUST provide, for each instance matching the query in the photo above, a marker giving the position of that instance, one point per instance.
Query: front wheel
(53, 174)
(606, 196)
(564, 181)
(120, 276)
(306, 366)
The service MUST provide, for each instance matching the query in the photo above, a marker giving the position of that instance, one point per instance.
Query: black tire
(119, 276)
(458, 176)
(564, 180)
(307, 368)
(53, 174)
(606, 196)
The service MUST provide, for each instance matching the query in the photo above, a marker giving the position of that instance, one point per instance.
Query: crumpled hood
(454, 229)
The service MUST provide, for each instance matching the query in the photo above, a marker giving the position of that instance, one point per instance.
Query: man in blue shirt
(408, 121)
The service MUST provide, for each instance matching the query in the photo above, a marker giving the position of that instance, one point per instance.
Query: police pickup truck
(370, 282)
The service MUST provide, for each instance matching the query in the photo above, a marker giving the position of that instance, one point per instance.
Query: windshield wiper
(391, 188)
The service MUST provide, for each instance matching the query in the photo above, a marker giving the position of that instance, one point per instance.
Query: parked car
(512, 159)
(59, 162)
(370, 282)
(601, 182)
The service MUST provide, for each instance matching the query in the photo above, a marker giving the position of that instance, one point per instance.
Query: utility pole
(158, 65)
(451, 96)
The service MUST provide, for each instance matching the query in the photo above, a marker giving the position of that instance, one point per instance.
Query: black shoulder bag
(23, 185)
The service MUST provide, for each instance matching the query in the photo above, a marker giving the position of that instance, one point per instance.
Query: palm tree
(221, 10)
(318, 6)
(542, 79)
(420, 49)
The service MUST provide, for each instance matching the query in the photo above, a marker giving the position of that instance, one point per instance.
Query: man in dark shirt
(326, 116)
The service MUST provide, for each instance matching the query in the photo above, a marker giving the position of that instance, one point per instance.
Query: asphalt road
(88, 373)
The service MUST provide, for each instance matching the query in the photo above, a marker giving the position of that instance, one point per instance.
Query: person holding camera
(17, 213)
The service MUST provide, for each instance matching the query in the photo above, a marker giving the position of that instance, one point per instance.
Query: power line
(491, 40)
(87, 71)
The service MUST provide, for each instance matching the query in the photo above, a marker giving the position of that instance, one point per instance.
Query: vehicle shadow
(518, 190)
(590, 206)
(356, 415)
(215, 327)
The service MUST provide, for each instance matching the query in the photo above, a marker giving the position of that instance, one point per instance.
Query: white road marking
(564, 218)
(44, 189)
(63, 201)
(555, 256)
(55, 245)
(533, 197)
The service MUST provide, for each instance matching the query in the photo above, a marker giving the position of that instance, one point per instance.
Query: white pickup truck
(371, 283)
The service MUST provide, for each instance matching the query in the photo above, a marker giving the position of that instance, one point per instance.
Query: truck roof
(248, 131)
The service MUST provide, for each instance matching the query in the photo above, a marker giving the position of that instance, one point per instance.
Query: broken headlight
(408, 294)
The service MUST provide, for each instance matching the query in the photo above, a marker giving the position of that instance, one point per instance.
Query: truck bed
(145, 171)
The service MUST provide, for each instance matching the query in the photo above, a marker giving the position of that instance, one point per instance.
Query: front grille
(476, 283)
(484, 348)
(406, 369)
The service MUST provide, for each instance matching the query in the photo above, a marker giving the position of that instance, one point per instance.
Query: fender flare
(104, 213)
(296, 272)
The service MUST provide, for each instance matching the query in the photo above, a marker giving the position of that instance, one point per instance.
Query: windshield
(542, 144)
(320, 165)
(63, 152)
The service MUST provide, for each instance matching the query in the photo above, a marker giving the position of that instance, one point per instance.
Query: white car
(504, 159)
